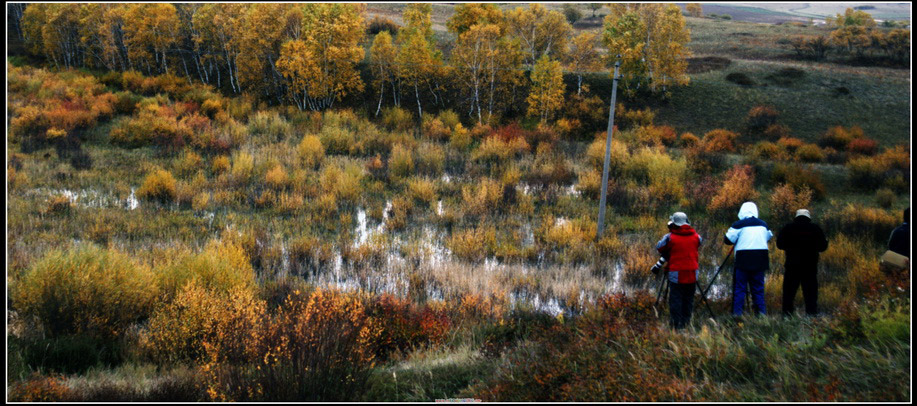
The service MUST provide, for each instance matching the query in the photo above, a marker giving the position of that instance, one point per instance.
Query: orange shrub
(200, 323)
(799, 177)
(319, 346)
(864, 146)
(434, 128)
(38, 388)
(738, 187)
(474, 244)
(768, 150)
(872, 224)
(785, 201)
(401, 162)
(220, 164)
(689, 140)
(790, 144)
(838, 137)
(277, 177)
(719, 140)
(404, 326)
(595, 154)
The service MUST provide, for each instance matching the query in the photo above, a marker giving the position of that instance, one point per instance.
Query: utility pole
(611, 120)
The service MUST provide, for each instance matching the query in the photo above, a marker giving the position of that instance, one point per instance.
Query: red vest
(682, 248)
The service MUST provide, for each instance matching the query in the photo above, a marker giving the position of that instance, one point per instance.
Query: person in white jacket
(750, 236)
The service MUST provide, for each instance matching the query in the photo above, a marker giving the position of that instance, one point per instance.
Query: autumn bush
(868, 173)
(766, 150)
(885, 198)
(337, 140)
(405, 326)
(401, 162)
(473, 244)
(838, 137)
(631, 118)
(310, 151)
(197, 319)
(319, 346)
(719, 141)
(421, 190)
(799, 177)
(738, 187)
(665, 176)
(40, 388)
(342, 184)
(570, 241)
(862, 146)
(434, 128)
(159, 186)
(760, 118)
(785, 201)
(242, 168)
(430, 159)
(810, 153)
(495, 149)
(86, 290)
(222, 266)
(266, 127)
(871, 224)
(397, 119)
(483, 198)
(595, 155)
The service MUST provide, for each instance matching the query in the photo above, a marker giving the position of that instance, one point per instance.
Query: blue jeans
(745, 281)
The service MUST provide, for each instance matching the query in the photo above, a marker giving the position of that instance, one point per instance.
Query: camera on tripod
(658, 266)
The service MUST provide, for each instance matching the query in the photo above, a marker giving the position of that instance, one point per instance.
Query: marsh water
(420, 250)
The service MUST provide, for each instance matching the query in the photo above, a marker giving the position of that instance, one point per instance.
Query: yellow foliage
(85, 290)
(311, 151)
(276, 177)
(738, 187)
(422, 190)
(401, 163)
(473, 244)
(220, 164)
(482, 199)
(222, 266)
(158, 185)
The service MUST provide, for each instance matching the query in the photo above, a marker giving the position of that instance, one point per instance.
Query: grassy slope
(809, 107)
(878, 100)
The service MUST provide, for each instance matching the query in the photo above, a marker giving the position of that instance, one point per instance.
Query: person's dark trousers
(745, 281)
(791, 281)
(681, 302)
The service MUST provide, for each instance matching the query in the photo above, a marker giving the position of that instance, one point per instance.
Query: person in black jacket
(802, 240)
(900, 240)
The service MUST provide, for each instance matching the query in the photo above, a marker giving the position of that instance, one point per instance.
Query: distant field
(878, 104)
(895, 11)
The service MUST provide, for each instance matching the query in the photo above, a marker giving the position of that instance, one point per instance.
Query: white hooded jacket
(750, 236)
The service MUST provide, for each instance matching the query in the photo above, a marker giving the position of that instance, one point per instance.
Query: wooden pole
(611, 119)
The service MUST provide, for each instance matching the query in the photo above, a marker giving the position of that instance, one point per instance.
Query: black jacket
(802, 240)
(900, 241)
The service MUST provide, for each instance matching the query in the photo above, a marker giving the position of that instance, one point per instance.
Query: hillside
(173, 240)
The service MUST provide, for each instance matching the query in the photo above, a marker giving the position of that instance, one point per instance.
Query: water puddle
(89, 198)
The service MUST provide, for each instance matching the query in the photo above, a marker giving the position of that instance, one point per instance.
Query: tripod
(703, 294)
(662, 291)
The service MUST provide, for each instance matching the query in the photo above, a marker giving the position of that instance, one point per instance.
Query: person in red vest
(680, 248)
